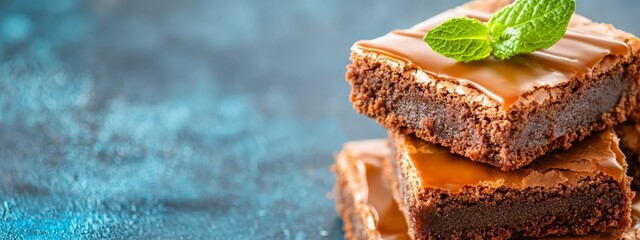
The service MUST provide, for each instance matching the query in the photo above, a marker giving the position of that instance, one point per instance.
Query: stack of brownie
(493, 149)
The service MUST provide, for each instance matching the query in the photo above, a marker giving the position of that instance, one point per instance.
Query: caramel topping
(438, 168)
(502, 80)
(367, 156)
(391, 222)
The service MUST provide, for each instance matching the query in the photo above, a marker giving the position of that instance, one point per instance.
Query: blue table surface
(187, 119)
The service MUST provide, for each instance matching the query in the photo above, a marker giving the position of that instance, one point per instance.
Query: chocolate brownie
(504, 113)
(368, 211)
(629, 134)
(571, 192)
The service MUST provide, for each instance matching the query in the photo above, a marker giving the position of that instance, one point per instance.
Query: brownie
(363, 197)
(629, 134)
(576, 191)
(504, 113)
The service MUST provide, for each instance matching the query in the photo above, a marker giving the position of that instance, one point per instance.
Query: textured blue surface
(186, 119)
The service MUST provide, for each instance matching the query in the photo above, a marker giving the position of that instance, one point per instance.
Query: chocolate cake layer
(577, 191)
(505, 113)
(363, 197)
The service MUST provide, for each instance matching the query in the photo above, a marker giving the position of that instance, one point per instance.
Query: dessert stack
(496, 148)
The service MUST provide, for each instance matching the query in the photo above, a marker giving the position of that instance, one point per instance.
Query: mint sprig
(522, 27)
(462, 38)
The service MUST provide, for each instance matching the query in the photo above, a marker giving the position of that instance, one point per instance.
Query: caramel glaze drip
(391, 222)
(367, 157)
(503, 80)
(438, 168)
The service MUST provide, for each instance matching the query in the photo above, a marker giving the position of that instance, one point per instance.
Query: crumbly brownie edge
(610, 209)
(344, 205)
(484, 133)
(597, 204)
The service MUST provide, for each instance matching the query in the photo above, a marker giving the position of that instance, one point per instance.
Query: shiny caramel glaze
(505, 81)
(366, 157)
(438, 168)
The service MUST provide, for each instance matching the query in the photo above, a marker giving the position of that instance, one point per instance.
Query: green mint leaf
(528, 25)
(463, 39)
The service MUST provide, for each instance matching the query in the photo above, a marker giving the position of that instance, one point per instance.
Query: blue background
(187, 119)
